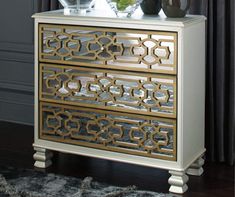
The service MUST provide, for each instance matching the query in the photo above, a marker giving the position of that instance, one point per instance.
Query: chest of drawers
(128, 90)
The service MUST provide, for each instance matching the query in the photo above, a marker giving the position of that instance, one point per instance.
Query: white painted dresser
(128, 90)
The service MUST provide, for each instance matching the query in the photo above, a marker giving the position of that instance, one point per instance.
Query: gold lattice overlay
(120, 132)
(149, 94)
(148, 51)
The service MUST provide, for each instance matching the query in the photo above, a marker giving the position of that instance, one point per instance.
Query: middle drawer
(142, 93)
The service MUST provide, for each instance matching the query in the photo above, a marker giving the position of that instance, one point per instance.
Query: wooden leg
(178, 182)
(42, 157)
(196, 168)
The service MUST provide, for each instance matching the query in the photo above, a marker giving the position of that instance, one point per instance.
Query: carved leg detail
(178, 182)
(42, 157)
(196, 168)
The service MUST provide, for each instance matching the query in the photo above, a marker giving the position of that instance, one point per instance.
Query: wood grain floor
(16, 151)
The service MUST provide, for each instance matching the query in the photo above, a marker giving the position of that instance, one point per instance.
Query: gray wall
(16, 60)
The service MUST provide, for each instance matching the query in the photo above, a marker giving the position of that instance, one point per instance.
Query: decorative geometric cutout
(120, 132)
(111, 48)
(132, 92)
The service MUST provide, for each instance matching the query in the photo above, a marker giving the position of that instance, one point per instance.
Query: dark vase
(175, 8)
(151, 6)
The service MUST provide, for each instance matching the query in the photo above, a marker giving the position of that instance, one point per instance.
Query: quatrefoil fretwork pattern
(114, 90)
(148, 51)
(133, 134)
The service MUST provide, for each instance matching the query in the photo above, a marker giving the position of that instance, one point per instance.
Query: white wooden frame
(191, 91)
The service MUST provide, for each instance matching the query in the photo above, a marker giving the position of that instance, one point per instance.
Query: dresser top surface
(109, 16)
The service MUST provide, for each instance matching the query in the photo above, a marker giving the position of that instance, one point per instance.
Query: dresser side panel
(191, 79)
(36, 64)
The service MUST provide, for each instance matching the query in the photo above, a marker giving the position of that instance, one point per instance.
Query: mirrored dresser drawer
(133, 92)
(108, 130)
(112, 48)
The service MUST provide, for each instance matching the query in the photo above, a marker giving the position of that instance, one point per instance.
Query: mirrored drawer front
(114, 131)
(148, 51)
(149, 94)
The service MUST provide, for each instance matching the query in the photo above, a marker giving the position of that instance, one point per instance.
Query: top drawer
(124, 49)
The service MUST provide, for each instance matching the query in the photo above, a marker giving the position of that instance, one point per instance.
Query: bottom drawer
(113, 131)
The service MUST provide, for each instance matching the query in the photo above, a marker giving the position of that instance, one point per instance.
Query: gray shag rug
(31, 183)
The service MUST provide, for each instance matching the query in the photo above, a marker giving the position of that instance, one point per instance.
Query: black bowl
(175, 8)
(151, 7)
